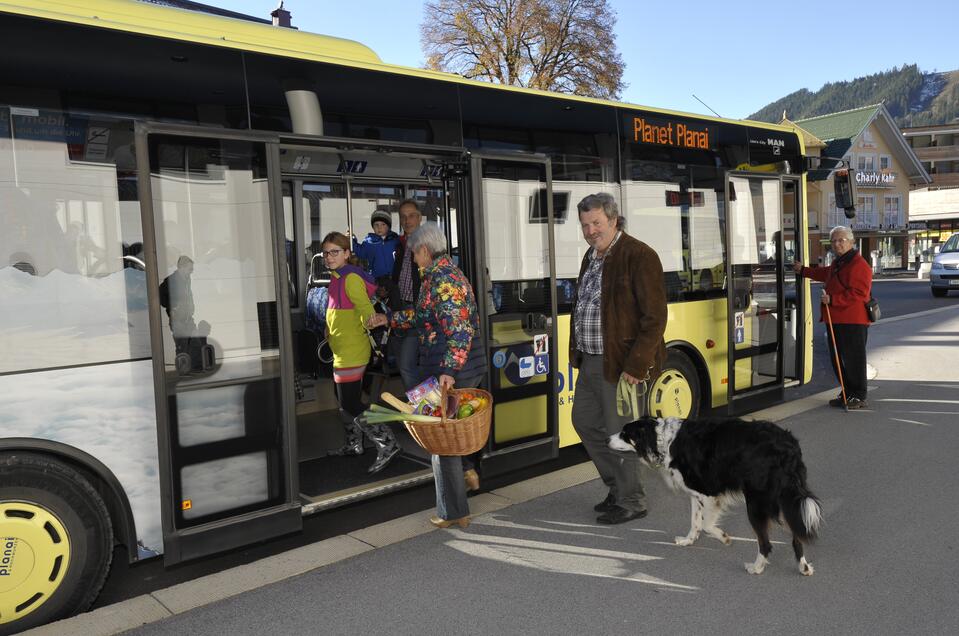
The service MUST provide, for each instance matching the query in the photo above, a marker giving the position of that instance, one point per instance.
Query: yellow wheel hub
(670, 395)
(34, 556)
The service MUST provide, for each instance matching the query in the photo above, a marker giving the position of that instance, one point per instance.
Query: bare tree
(557, 45)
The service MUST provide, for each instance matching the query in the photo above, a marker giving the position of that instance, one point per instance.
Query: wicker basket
(455, 437)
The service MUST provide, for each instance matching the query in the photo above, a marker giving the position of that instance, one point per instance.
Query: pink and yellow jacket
(349, 308)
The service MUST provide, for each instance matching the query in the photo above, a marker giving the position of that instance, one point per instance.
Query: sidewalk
(895, 273)
(535, 562)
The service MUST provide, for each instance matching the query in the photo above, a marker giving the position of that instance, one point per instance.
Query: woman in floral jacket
(451, 348)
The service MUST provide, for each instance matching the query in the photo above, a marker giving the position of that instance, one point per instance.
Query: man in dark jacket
(619, 317)
(406, 283)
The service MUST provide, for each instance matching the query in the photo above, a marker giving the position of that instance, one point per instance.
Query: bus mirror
(844, 183)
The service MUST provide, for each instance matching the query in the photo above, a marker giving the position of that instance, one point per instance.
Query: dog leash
(627, 398)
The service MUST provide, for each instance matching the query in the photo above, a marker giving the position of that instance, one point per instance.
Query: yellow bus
(135, 137)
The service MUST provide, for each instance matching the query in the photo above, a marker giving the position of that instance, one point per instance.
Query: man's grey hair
(599, 201)
(841, 231)
(430, 236)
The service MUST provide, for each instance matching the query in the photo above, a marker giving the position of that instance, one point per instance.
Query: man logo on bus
(7, 556)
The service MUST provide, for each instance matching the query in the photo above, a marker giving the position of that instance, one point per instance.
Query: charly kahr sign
(875, 179)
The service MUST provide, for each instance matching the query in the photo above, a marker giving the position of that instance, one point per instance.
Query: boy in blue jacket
(378, 249)
(379, 246)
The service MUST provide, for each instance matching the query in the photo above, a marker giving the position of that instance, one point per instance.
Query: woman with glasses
(847, 287)
(348, 309)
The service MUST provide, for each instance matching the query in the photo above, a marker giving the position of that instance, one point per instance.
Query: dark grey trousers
(595, 419)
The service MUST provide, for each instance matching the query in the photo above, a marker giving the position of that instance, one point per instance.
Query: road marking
(934, 412)
(937, 310)
(923, 401)
(896, 419)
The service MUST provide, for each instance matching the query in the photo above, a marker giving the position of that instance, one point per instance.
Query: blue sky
(737, 56)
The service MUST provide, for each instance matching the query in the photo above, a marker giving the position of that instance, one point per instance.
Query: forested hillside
(913, 98)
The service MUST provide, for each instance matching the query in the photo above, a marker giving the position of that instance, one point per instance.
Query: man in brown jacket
(619, 316)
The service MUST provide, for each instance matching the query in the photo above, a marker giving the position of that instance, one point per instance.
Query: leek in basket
(377, 414)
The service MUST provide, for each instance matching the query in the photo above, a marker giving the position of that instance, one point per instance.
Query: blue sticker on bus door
(526, 367)
(499, 359)
(541, 366)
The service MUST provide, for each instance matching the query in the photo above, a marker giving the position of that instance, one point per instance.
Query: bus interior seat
(534, 295)
(674, 285)
(317, 275)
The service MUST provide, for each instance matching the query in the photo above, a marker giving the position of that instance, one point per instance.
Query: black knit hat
(382, 215)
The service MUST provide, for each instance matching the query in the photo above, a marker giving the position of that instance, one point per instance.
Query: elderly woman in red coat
(847, 287)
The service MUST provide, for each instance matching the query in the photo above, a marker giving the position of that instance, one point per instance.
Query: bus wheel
(56, 541)
(675, 393)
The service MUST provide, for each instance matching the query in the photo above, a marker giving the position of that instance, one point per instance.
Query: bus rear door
(222, 373)
(516, 292)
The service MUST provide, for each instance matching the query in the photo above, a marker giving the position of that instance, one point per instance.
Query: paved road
(884, 564)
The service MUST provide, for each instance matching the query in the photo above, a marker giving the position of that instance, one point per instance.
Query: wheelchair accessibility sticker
(541, 365)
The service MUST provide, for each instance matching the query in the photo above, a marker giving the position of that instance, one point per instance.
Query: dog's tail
(800, 508)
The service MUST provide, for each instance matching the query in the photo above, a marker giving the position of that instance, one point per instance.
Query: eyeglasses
(333, 253)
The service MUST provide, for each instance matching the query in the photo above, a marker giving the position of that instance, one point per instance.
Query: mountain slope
(912, 97)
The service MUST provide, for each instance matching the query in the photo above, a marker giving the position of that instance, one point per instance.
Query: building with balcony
(868, 140)
(935, 207)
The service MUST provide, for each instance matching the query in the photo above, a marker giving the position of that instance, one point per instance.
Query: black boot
(386, 446)
(353, 436)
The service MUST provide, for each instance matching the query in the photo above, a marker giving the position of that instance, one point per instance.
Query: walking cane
(835, 352)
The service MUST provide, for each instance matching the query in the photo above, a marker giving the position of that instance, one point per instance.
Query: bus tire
(57, 541)
(675, 392)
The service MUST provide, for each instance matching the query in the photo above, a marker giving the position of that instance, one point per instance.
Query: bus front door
(210, 205)
(755, 299)
(516, 291)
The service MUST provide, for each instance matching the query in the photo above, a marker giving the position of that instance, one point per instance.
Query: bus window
(70, 220)
(681, 218)
(325, 204)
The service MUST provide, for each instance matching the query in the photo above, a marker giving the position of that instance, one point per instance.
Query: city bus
(140, 142)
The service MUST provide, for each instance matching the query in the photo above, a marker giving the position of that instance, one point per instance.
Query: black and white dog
(718, 461)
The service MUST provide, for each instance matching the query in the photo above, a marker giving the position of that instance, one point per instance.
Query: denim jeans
(404, 347)
(448, 474)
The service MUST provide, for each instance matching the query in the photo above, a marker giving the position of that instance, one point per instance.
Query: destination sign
(670, 133)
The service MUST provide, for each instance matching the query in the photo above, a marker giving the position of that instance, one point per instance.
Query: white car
(944, 274)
